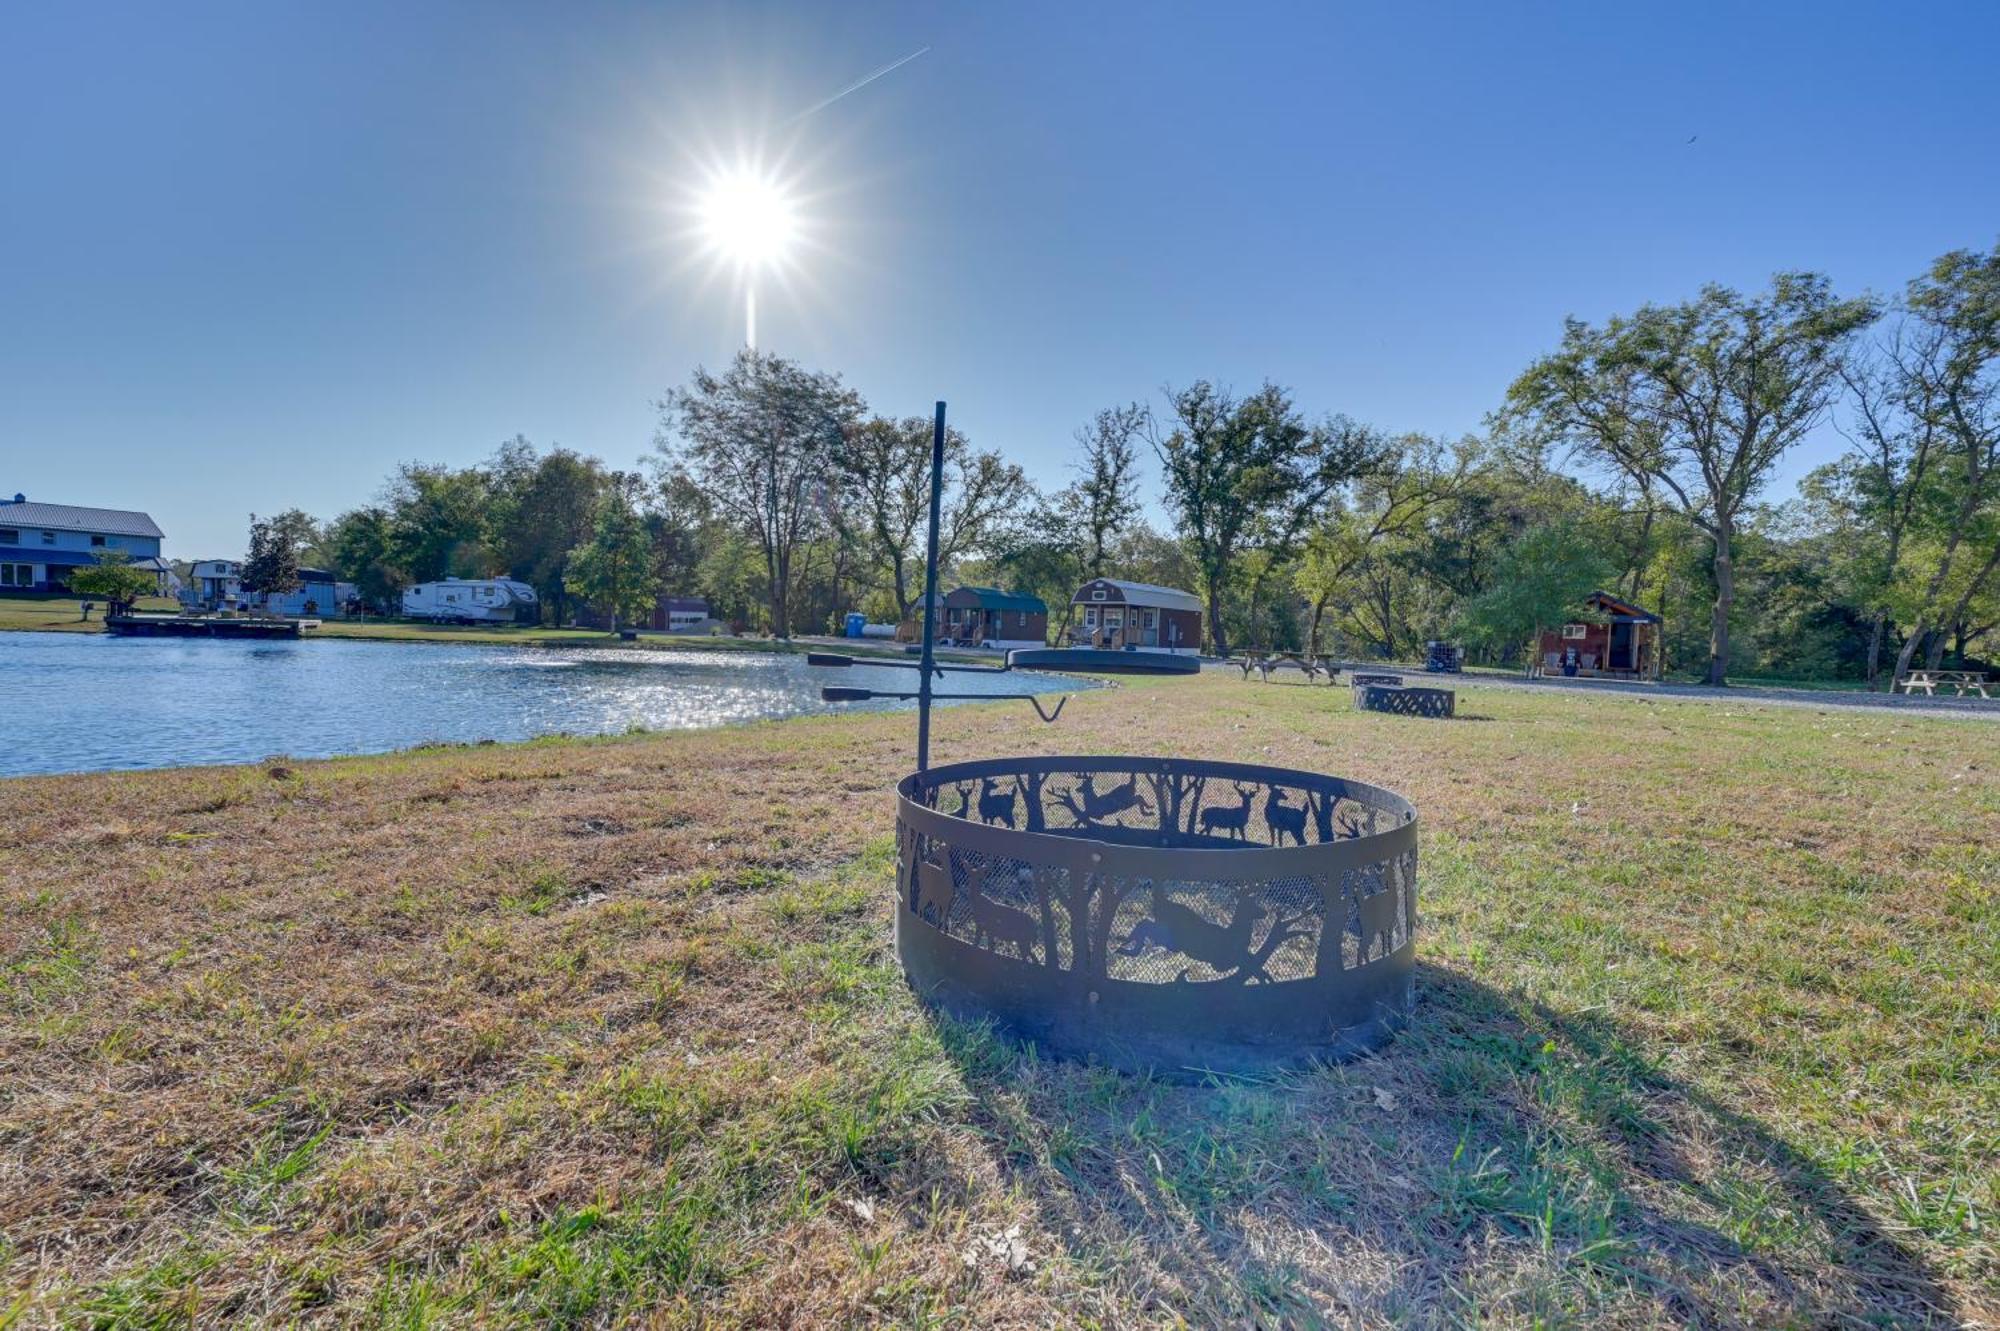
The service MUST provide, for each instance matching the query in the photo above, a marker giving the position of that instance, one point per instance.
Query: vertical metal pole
(930, 596)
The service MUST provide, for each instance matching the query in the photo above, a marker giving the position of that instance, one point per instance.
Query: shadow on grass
(1499, 1159)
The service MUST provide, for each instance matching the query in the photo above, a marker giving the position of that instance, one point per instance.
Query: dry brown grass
(585, 1031)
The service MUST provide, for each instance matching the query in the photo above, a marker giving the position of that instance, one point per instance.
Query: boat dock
(204, 626)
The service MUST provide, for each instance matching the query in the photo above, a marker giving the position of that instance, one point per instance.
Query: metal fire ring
(1405, 702)
(1394, 681)
(1160, 913)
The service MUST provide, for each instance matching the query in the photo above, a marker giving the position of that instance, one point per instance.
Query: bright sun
(748, 218)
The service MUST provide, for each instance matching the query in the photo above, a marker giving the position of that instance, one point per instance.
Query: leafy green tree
(439, 521)
(1958, 301)
(1103, 501)
(1538, 581)
(614, 570)
(1419, 475)
(883, 473)
(1699, 399)
(545, 507)
(113, 580)
(1249, 473)
(272, 568)
(760, 441)
(361, 547)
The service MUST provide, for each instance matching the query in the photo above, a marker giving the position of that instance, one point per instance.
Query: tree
(883, 469)
(759, 441)
(1539, 580)
(1391, 501)
(545, 507)
(113, 580)
(1104, 499)
(614, 570)
(440, 521)
(1897, 430)
(1958, 300)
(1249, 472)
(361, 547)
(1701, 398)
(272, 568)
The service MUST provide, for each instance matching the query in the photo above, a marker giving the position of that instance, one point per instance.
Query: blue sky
(256, 254)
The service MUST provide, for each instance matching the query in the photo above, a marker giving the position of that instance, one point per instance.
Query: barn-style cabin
(1625, 644)
(989, 616)
(1114, 614)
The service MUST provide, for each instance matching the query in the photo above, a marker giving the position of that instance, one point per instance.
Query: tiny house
(1624, 644)
(1114, 614)
(987, 616)
(471, 601)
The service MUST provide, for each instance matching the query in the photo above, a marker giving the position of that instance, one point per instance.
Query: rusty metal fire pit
(1163, 914)
(1160, 913)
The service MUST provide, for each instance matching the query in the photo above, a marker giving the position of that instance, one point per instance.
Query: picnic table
(1307, 663)
(1960, 682)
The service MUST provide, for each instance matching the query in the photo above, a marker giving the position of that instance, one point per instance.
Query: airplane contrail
(858, 84)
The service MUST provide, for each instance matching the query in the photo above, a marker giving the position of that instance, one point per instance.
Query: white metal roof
(1145, 593)
(69, 517)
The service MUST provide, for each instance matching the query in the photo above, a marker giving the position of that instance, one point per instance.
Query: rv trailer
(471, 601)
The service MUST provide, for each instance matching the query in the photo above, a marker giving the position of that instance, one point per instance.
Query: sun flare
(748, 218)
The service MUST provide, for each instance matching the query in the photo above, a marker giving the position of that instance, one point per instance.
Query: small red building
(989, 615)
(1623, 644)
(1115, 614)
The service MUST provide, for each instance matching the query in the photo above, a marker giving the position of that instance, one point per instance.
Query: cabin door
(1621, 647)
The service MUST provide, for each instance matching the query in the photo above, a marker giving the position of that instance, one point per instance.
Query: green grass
(1706, 1035)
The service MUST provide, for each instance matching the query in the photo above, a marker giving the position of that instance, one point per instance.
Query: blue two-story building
(41, 543)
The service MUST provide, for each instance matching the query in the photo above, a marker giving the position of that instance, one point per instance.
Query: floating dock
(202, 626)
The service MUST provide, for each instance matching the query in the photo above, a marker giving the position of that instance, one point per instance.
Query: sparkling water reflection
(80, 702)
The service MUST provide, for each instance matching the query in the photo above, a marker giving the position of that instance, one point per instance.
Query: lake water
(74, 702)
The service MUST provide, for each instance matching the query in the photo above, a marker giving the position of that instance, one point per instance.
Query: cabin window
(1576, 631)
(1149, 619)
(17, 575)
(1097, 594)
(96, 541)
(10, 535)
(48, 538)
(1090, 616)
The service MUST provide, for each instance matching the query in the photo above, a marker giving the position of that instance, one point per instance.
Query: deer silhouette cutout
(1097, 806)
(1004, 925)
(935, 893)
(1284, 819)
(1378, 922)
(1229, 820)
(993, 806)
(1177, 928)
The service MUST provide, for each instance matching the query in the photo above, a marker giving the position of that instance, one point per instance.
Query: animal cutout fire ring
(1157, 913)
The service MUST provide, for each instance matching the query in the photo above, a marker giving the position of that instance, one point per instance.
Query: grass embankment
(580, 1030)
(57, 614)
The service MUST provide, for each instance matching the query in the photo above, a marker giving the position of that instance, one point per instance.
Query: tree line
(1635, 456)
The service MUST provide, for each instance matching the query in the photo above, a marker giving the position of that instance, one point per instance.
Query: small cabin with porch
(1623, 643)
(987, 616)
(1113, 614)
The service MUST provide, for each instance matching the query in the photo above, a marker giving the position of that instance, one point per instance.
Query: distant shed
(1625, 645)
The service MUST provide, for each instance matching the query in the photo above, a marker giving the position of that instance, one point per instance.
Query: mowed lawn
(582, 1032)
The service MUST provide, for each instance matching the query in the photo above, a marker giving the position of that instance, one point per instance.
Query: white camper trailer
(470, 600)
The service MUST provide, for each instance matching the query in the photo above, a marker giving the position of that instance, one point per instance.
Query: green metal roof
(992, 598)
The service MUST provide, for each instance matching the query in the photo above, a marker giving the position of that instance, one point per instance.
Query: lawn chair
(1552, 663)
(1587, 662)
